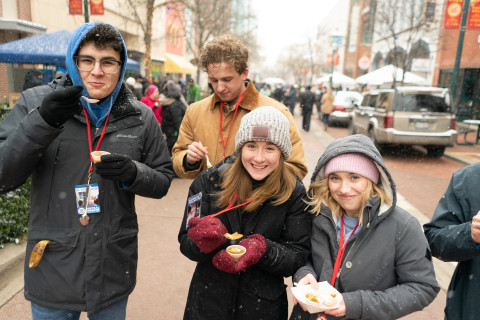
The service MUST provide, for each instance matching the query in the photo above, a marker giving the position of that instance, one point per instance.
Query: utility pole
(85, 8)
(458, 57)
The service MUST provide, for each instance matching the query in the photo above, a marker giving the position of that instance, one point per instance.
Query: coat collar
(249, 100)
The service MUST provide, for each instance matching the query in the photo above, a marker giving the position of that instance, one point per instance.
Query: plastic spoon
(209, 165)
(90, 100)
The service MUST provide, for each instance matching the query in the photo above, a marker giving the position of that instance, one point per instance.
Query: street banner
(75, 7)
(453, 15)
(96, 7)
(174, 29)
(329, 60)
(474, 15)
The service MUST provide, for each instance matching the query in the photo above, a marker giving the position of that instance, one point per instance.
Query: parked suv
(407, 116)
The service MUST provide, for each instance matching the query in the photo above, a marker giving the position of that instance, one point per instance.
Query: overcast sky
(283, 22)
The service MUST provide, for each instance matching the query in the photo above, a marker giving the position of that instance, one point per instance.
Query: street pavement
(164, 273)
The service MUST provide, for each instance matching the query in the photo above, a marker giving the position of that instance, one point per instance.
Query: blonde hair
(319, 192)
(278, 186)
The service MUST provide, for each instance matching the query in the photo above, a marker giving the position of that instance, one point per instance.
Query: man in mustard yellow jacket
(210, 125)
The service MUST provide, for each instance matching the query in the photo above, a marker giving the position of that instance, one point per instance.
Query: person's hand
(60, 105)
(196, 152)
(338, 312)
(255, 245)
(117, 167)
(207, 233)
(476, 228)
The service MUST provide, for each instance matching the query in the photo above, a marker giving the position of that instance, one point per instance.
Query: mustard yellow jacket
(202, 123)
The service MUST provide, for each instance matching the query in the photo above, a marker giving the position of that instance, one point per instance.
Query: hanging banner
(453, 15)
(75, 7)
(174, 28)
(329, 60)
(474, 15)
(96, 7)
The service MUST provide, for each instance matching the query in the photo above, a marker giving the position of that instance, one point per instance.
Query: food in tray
(312, 297)
(235, 250)
(233, 236)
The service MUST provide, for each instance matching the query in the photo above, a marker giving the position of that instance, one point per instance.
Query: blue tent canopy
(49, 48)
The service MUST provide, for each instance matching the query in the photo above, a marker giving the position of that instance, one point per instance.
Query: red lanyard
(341, 251)
(229, 207)
(90, 137)
(224, 144)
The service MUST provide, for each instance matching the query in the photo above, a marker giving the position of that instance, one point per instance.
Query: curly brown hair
(226, 48)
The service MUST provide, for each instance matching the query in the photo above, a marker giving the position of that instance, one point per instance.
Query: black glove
(60, 105)
(117, 167)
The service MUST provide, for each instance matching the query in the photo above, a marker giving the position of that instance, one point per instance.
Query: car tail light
(388, 122)
(339, 108)
(453, 122)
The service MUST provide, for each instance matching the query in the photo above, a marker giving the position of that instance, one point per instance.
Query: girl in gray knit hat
(253, 193)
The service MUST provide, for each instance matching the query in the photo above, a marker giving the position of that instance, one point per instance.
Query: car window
(385, 100)
(419, 102)
(370, 100)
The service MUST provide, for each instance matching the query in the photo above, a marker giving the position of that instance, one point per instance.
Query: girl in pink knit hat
(370, 250)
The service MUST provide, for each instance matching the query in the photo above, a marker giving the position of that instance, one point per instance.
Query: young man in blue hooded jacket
(82, 214)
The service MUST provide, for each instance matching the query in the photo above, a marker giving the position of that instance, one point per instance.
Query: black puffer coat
(173, 111)
(259, 291)
(83, 268)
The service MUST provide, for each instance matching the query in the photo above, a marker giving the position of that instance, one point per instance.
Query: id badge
(194, 207)
(93, 201)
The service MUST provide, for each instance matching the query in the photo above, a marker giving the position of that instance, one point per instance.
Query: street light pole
(458, 57)
(85, 8)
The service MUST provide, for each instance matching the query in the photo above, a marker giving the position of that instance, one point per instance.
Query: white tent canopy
(338, 79)
(385, 75)
(273, 81)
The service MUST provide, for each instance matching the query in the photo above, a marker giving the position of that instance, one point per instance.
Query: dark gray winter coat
(450, 237)
(259, 291)
(387, 270)
(92, 267)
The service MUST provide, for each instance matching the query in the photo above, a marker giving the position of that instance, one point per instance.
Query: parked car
(407, 116)
(343, 107)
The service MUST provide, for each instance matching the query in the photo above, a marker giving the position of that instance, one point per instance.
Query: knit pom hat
(265, 124)
(353, 162)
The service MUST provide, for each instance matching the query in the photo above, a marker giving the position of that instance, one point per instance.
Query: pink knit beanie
(353, 162)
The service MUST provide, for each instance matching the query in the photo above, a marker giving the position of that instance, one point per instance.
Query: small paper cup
(96, 155)
(236, 251)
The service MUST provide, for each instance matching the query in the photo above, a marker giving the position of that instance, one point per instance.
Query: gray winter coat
(92, 267)
(387, 270)
(450, 237)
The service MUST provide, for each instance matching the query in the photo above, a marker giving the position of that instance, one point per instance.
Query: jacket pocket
(60, 239)
(264, 285)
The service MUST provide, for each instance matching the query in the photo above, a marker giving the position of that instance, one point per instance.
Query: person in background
(268, 210)
(265, 90)
(210, 124)
(307, 99)
(454, 235)
(291, 97)
(193, 92)
(327, 106)
(278, 93)
(318, 100)
(151, 99)
(33, 78)
(173, 111)
(90, 248)
(372, 251)
(131, 85)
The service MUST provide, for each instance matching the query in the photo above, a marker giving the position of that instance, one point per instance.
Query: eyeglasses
(107, 65)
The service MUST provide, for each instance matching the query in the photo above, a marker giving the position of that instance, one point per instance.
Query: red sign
(329, 60)
(364, 63)
(75, 6)
(96, 7)
(174, 29)
(474, 15)
(453, 15)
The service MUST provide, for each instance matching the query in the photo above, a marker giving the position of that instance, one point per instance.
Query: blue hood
(96, 111)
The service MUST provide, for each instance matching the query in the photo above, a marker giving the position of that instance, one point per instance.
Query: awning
(21, 26)
(48, 48)
(178, 64)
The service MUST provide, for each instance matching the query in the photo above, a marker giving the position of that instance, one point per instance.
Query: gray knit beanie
(265, 124)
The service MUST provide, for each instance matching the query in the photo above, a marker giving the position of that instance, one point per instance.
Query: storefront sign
(453, 15)
(364, 63)
(96, 7)
(474, 15)
(75, 6)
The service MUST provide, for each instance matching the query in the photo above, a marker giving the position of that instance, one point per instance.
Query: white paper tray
(312, 307)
